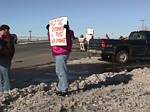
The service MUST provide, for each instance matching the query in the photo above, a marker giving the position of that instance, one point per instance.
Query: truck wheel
(122, 56)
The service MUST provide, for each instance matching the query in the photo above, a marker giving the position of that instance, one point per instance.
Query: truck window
(137, 36)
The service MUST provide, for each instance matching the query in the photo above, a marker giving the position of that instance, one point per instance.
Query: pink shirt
(63, 50)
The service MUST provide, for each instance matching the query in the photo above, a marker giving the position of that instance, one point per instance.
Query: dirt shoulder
(107, 92)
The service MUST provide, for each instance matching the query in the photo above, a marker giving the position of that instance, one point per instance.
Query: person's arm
(15, 38)
(6, 49)
(72, 35)
(4, 52)
(48, 33)
(12, 48)
(48, 36)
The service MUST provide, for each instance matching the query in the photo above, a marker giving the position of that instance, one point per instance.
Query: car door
(138, 44)
(148, 44)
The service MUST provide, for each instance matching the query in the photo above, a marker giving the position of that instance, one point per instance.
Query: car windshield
(136, 36)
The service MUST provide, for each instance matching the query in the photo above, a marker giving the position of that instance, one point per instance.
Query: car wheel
(122, 57)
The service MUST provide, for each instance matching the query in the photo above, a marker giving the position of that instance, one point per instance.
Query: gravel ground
(107, 92)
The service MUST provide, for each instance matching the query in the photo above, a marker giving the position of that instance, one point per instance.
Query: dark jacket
(7, 49)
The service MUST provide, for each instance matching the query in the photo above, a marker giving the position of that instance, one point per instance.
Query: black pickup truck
(136, 46)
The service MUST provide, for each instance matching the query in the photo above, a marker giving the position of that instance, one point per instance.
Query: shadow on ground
(23, 77)
(116, 80)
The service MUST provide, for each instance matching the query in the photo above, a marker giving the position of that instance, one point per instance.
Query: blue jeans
(4, 74)
(4, 80)
(62, 72)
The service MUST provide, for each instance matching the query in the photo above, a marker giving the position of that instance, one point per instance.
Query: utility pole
(142, 25)
(30, 34)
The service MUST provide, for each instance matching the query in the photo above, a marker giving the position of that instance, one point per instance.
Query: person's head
(81, 36)
(6, 29)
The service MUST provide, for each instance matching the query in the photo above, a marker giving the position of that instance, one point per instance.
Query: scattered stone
(107, 92)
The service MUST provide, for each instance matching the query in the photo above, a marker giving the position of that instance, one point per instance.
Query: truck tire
(122, 57)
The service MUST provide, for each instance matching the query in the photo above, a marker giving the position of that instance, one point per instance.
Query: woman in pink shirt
(61, 54)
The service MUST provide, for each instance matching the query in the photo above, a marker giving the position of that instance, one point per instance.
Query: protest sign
(90, 31)
(58, 32)
(90, 34)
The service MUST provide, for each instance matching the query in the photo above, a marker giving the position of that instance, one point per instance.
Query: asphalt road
(39, 53)
(33, 64)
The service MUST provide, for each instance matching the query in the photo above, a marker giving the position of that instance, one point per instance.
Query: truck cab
(140, 42)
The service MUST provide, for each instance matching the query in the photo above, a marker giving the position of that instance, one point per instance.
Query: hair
(1, 28)
(47, 26)
(5, 27)
(81, 36)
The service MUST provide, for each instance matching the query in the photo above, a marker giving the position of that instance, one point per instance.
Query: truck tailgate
(95, 46)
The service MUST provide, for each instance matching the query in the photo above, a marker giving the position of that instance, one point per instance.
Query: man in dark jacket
(7, 51)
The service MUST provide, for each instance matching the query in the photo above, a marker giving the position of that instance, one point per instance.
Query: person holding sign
(61, 53)
(89, 36)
